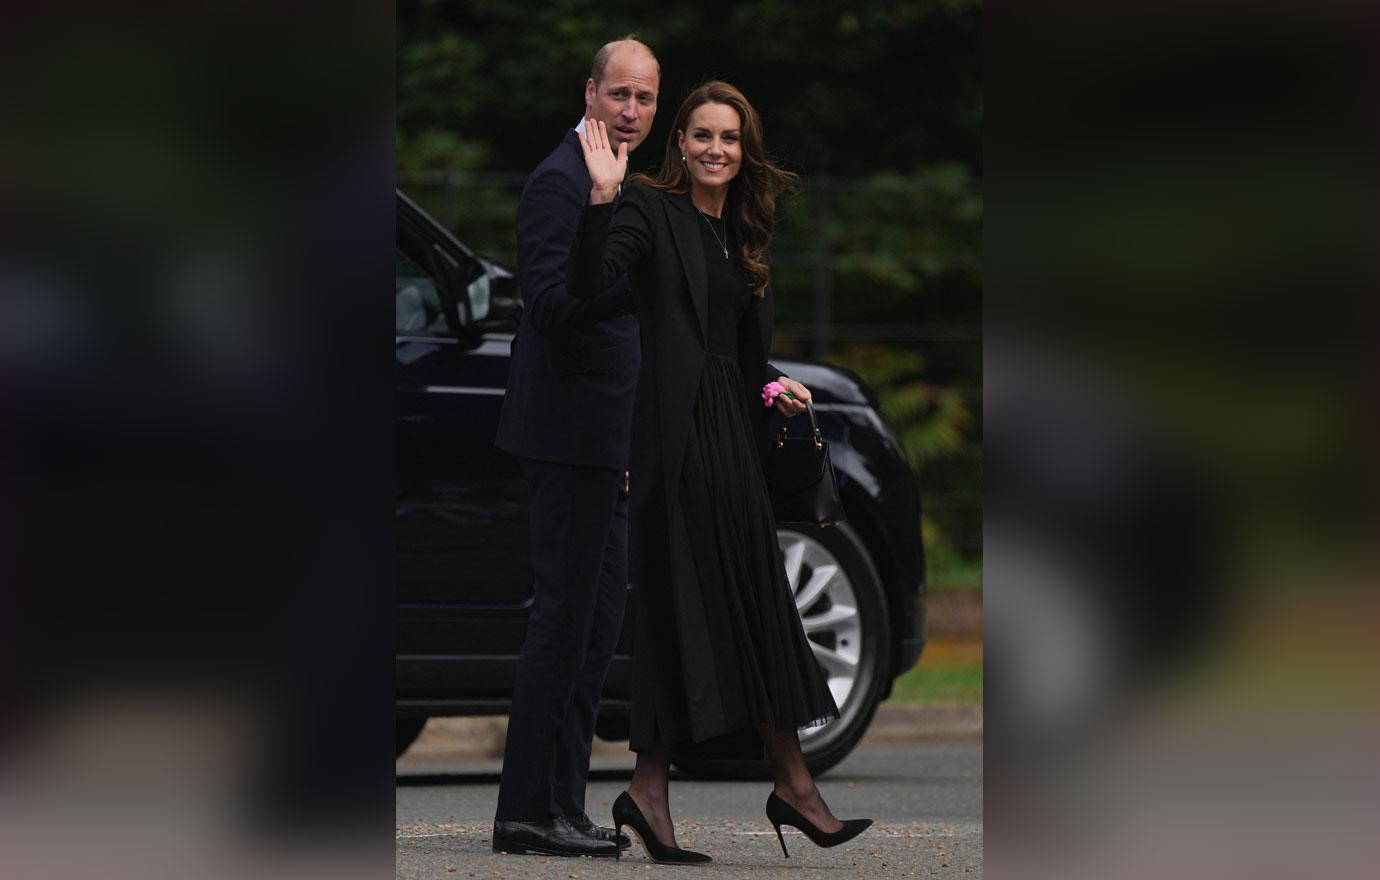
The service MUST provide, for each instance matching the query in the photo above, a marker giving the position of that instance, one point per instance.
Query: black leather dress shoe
(582, 822)
(554, 837)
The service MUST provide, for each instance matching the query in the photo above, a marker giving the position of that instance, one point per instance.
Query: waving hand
(606, 170)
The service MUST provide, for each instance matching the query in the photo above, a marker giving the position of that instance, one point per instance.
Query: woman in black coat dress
(719, 647)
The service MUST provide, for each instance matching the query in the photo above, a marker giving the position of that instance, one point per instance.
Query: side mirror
(479, 295)
(502, 303)
(449, 274)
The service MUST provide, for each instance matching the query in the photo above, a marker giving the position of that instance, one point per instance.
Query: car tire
(405, 733)
(863, 637)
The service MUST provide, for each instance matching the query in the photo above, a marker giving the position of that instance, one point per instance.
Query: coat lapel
(687, 238)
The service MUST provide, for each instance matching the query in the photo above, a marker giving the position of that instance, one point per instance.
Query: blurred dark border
(195, 400)
(1179, 388)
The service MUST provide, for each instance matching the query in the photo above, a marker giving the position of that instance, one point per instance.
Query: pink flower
(769, 392)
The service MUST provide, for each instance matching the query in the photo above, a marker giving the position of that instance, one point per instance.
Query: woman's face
(712, 145)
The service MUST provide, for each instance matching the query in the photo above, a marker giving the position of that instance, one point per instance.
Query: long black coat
(653, 236)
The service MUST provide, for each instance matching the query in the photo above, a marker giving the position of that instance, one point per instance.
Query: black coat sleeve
(611, 241)
(547, 218)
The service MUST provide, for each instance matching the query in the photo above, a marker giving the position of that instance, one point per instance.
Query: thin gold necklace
(723, 242)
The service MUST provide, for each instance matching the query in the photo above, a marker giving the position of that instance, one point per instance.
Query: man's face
(625, 100)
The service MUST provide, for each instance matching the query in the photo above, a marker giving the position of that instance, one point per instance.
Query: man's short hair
(601, 58)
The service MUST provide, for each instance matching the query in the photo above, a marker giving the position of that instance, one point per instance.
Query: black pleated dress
(736, 637)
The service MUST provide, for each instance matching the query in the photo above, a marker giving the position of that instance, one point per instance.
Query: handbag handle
(814, 424)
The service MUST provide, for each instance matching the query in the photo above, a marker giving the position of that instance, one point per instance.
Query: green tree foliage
(935, 426)
(931, 421)
(844, 88)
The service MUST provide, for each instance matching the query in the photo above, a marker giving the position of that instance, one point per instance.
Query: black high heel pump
(626, 812)
(781, 813)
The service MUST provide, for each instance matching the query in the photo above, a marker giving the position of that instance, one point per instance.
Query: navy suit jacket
(575, 360)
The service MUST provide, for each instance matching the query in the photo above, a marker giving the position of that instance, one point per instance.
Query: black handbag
(800, 478)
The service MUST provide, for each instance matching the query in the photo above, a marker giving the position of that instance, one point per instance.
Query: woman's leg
(650, 790)
(794, 784)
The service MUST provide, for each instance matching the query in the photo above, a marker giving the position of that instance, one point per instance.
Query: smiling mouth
(714, 166)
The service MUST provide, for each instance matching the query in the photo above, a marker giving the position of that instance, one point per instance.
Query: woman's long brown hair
(752, 192)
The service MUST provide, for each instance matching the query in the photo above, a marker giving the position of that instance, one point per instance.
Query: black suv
(464, 589)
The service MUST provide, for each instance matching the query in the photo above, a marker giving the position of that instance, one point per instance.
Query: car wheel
(844, 612)
(405, 732)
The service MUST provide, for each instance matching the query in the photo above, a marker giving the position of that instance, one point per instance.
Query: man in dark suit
(567, 417)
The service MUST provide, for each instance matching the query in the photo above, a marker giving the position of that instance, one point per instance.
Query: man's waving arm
(547, 218)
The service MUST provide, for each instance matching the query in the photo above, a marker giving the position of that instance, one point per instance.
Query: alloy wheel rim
(828, 609)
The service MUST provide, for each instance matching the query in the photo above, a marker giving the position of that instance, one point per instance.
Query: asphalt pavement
(926, 798)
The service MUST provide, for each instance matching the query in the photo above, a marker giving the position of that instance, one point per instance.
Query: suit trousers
(579, 553)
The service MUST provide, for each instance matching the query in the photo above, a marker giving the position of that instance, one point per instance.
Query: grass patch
(950, 671)
(949, 683)
(954, 575)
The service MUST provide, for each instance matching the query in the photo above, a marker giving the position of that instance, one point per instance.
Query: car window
(416, 302)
